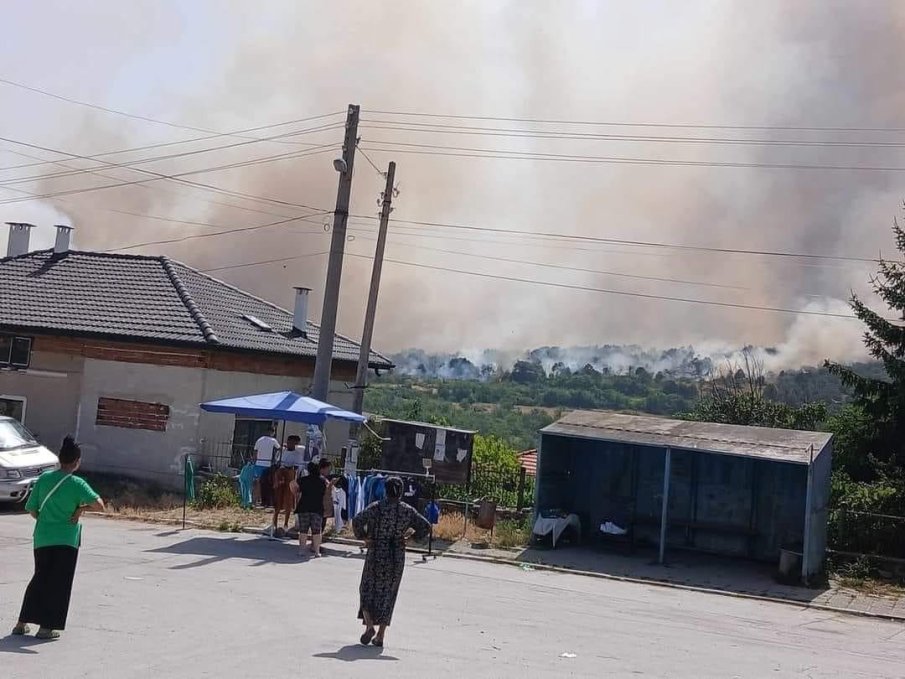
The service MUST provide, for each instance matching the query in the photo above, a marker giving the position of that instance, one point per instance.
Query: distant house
(527, 460)
(120, 350)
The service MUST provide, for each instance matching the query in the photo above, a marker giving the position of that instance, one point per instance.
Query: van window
(14, 435)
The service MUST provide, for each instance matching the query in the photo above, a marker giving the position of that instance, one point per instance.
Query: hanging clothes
(246, 483)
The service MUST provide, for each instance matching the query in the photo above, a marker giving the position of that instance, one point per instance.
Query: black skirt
(47, 596)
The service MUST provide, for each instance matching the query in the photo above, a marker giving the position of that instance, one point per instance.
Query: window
(114, 412)
(245, 434)
(15, 352)
(13, 406)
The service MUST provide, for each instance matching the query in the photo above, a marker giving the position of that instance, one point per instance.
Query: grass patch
(508, 533)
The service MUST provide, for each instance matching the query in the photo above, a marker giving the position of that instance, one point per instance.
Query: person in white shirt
(293, 456)
(265, 447)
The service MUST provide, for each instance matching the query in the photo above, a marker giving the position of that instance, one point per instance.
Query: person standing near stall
(56, 503)
(384, 526)
(312, 490)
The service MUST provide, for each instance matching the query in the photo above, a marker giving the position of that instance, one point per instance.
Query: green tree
(881, 400)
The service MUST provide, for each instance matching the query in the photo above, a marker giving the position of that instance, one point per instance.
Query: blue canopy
(282, 405)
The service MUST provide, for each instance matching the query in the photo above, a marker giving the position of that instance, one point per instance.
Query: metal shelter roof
(781, 445)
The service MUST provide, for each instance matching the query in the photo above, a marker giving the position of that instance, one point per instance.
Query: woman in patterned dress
(384, 526)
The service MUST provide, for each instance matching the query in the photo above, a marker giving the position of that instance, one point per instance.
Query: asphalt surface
(154, 602)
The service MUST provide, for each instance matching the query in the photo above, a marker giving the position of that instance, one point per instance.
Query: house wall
(157, 456)
(51, 387)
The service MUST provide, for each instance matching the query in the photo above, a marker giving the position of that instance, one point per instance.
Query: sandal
(367, 636)
(47, 634)
(20, 630)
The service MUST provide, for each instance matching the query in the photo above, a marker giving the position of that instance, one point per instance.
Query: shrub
(217, 492)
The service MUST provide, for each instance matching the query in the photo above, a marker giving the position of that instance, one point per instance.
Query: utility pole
(361, 380)
(324, 362)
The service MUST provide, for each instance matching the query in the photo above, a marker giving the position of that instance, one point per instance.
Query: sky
(772, 127)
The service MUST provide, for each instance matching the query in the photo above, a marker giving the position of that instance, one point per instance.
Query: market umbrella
(282, 405)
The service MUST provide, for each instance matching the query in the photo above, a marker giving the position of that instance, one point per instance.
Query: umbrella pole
(185, 490)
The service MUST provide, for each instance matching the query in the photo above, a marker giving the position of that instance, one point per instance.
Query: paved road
(153, 602)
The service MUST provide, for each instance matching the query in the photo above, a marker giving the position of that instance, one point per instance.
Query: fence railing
(857, 532)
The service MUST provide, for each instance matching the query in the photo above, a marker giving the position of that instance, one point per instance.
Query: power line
(562, 267)
(155, 176)
(182, 239)
(585, 136)
(503, 154)
(146, 187)
(625, 241)
(371, 162)
(153, 159)
(567, 286)
(147, 147)
(105, 109)
(265, 261)
(560, 121)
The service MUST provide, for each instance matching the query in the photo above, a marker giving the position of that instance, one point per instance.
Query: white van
(22, 460)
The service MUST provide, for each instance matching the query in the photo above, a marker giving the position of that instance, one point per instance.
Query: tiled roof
(148, 298)
(528, 461)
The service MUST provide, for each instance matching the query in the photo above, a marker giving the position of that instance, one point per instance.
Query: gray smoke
(771, 63)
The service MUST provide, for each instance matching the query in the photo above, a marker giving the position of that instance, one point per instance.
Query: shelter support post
(664, 510)
(806, 541)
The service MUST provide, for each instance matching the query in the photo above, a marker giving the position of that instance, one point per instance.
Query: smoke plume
(813, 64)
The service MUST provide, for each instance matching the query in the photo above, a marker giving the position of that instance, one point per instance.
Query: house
(527, 460)
(729, 489)
(120, 349)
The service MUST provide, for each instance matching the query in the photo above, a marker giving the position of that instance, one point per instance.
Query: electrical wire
(624, 293)
(105, 109)
(265, 261)
(153, 159)
(626, 241)
(561, 121)
(227, 232)
(585, 136)
(502, 154)
(146, 147)
(371, 162)
(155, 176)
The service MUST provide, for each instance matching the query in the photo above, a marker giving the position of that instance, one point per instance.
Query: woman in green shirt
(57, 501)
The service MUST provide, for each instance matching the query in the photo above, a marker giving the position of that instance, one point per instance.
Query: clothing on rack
(246, 483)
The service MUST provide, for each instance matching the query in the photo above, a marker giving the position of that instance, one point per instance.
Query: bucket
(789, 563)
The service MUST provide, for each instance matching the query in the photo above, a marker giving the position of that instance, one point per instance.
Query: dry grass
(508, 534)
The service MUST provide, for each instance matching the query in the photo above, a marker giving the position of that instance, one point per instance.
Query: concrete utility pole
(361, 380)
(324, 362)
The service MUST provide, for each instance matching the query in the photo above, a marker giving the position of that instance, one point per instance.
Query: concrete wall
(819, 505)
(51, 387)
(150, 455)
(157, 456)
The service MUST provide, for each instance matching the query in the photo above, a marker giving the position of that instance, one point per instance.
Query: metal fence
(866, 533)
(509, 485)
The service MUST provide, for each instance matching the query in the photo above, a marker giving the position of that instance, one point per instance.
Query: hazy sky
(696, 80)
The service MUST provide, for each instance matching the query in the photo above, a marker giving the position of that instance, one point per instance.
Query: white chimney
(19, 234)
(64, 233)
(300, 316)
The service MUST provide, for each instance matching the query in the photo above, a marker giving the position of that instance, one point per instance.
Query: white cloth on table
(557, 526)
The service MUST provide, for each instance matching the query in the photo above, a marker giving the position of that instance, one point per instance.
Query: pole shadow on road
(355, 652)
(260, 551)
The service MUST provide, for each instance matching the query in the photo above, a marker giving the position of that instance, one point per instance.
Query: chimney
(19, 234)
(300, 316)
(64, 233)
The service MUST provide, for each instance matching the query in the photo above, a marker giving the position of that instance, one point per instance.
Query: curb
(675, 585)
(561, 569)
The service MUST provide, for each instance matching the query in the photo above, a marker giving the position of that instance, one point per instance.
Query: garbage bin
(790, 563)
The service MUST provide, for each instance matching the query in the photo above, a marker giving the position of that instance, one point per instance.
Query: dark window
(15, 351)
